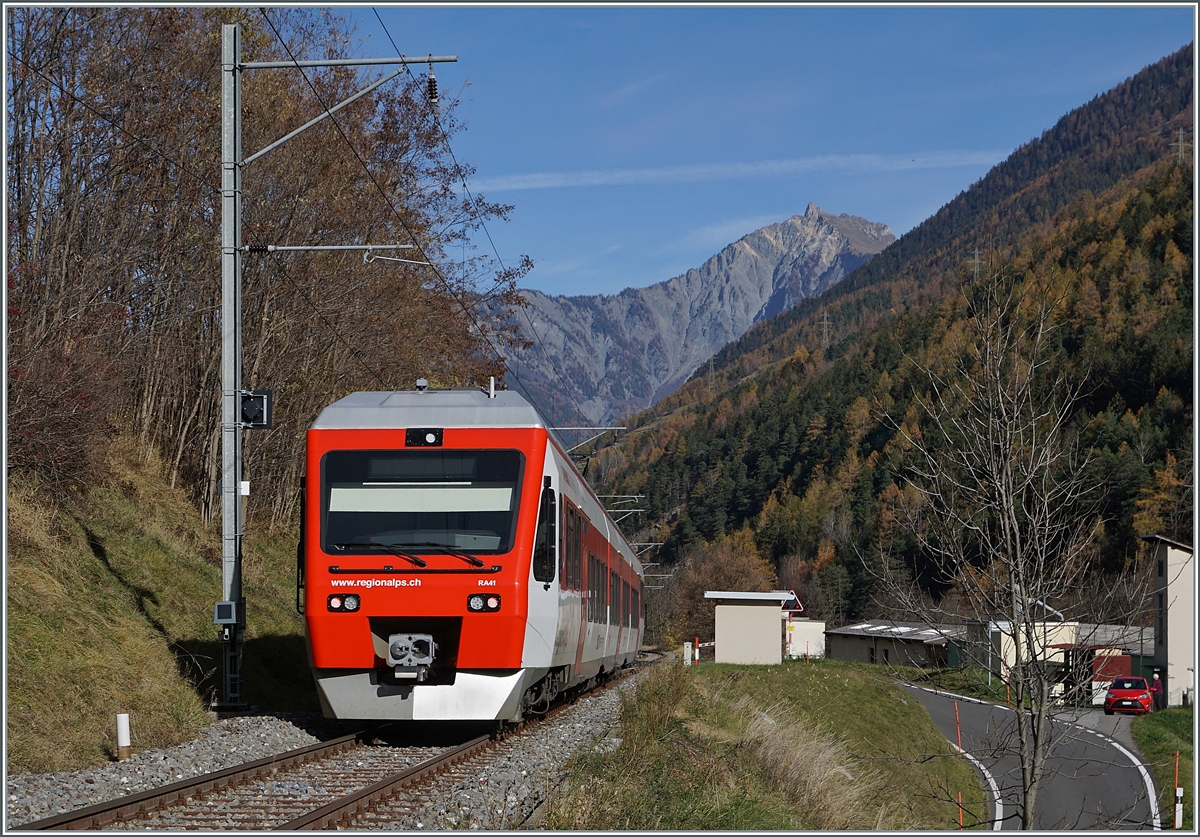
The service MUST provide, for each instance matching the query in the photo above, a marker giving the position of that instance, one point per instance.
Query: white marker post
(1178, 796)
(124, 750)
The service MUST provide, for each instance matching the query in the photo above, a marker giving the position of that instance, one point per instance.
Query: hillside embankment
(110, 604)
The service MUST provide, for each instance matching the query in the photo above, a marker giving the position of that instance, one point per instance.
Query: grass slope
(1161, 736)
(818, 746)
(109, 607)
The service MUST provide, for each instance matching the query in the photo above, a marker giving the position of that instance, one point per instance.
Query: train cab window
(543, 544)
(463, 499)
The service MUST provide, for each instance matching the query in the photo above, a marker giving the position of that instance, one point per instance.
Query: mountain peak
(626, 352)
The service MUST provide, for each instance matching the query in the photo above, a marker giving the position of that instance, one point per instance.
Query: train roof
(445, 408)
(429, 408)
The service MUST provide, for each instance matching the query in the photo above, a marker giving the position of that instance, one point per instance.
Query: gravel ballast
(513, 789)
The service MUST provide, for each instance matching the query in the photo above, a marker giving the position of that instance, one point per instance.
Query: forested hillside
(792, 445)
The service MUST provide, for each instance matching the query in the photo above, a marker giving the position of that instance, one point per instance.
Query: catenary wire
(449, 290)
(466, 309)
(524, 309)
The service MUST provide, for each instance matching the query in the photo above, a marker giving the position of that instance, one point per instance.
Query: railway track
(349, 781)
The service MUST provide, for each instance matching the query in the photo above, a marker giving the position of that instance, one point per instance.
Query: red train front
(440, 547)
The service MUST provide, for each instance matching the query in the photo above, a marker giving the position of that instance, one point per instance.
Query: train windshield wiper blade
(390, 547)
(449, 550)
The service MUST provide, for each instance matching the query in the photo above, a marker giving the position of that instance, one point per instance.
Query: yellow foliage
(732, 563)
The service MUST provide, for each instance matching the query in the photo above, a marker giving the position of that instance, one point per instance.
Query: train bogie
(454, 564)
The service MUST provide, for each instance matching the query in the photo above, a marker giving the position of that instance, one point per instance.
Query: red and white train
(453, 563)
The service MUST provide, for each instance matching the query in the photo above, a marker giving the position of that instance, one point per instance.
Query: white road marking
(987, 774)
(1151, 796)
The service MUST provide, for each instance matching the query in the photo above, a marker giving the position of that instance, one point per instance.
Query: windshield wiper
(390, 547)
(448, 550)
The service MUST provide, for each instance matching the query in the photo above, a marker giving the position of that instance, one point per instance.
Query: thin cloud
(828, 163)
(721, 234)
(623, 94)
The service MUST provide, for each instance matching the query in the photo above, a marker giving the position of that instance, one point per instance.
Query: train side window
(591, 588)
(599, 593)
(572, 562)
(635, 613)
(571, 547)
(543, 544)
(614, 598)
(596, 603)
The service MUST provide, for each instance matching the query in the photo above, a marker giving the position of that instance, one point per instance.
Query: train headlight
(483, 602)
(337, 603)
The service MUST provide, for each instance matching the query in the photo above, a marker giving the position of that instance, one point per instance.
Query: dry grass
(813, 771)
(110, 600)
(78, 652)
(728, 748)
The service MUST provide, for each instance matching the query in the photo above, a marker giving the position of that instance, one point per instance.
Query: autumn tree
(680, 612)
(113, 209)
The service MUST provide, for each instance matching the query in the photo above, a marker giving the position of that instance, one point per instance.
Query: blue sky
(636, 142)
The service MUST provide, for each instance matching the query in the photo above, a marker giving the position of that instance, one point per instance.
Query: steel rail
(342, 811)
(129, 807)
(331, 815)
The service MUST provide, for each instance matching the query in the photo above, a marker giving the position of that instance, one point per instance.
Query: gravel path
(504, 797)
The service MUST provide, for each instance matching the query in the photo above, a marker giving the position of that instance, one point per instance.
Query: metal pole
(230, 613)
(231, 360)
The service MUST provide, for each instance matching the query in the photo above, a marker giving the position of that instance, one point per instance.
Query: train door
(567, 635)
(575, 545)
(542, 621)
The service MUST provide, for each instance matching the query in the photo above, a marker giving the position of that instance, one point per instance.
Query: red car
(1128, 694)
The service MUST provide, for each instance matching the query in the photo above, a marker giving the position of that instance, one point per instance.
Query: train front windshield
(462, 499)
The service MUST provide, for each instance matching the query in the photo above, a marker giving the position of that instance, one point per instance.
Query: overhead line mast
(241, 409)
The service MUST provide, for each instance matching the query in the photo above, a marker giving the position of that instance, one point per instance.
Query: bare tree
(1000, 496)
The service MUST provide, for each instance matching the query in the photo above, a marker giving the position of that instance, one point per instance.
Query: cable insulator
(432, 87)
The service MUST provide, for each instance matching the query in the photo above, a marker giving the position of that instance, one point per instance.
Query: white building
(1174, 618)
(748, 628)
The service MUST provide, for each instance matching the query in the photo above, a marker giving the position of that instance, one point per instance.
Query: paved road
(1094, 779)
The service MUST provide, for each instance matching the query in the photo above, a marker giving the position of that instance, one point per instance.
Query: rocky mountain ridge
(600, 358)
